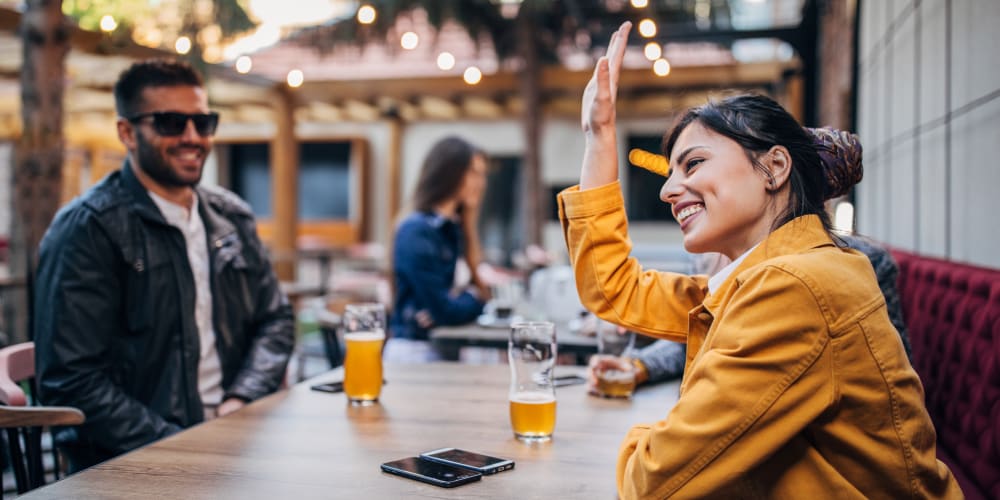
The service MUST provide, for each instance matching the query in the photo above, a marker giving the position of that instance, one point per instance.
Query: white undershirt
(716, 280)
(209, 366)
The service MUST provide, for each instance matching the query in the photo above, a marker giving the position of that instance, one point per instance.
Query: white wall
(929, 117)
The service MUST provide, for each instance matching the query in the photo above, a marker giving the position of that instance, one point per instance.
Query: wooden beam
(554, 81)
(284, 184)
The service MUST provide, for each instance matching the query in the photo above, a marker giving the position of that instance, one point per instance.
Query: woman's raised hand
(600, 161)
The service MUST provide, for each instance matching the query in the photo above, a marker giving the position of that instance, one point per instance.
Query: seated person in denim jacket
(428, 245)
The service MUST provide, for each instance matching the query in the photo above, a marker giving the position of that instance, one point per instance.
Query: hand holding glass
(612, 368)
(364, 334)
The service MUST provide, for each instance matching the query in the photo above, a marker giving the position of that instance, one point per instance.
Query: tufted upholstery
(952, 312)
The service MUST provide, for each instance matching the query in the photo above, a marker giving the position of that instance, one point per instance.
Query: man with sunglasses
(155, 304)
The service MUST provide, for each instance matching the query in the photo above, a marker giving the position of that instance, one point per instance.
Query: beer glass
(364, 334)
(615, 342)
(532, 354)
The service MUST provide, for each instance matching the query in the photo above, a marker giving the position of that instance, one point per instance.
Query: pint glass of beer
(364, 334)
(615, 342)
(532, 354)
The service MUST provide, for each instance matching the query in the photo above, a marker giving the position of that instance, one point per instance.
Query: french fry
(655, 163)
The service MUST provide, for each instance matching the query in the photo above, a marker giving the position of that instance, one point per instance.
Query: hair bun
(840, 152)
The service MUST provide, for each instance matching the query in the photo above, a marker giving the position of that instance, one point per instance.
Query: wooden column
(395, 171)
(795, 96)
(284, 185)
(38, 155)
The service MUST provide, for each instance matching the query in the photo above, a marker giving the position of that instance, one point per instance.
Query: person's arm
(600, 156)
(662, 360)
(419, 262)
(273, 328)
(613, 285)
(473, 248)
(762, 378)
(78, 313)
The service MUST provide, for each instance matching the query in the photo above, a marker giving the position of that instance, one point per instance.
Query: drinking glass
(364, 334)
(615, 380)
(532, 354)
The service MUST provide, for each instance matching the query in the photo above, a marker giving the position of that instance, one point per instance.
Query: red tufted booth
(952, 312)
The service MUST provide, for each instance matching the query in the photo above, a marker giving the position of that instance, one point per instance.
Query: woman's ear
(779, 162)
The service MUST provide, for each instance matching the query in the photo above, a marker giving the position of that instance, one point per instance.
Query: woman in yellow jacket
(796, 385)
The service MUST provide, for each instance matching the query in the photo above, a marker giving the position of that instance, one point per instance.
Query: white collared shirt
(188, 220)
(716, 280)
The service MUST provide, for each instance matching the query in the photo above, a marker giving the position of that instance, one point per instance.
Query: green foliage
(174, 17)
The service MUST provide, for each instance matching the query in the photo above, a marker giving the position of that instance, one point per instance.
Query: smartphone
(564, 380)
(329, 387)
(438, 474)
(483, 464)
(337, 386)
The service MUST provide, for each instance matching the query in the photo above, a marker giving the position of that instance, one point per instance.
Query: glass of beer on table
(616, 342)
(364, 334)
(532, 355)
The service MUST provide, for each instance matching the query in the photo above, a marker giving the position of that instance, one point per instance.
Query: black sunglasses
(172, 124)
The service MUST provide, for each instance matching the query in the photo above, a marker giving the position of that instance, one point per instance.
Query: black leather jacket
(114, 320)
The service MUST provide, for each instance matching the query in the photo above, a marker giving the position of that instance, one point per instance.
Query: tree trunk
(535, 197)
(38, 156)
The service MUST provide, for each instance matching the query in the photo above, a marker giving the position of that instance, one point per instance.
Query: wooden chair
(24, 424)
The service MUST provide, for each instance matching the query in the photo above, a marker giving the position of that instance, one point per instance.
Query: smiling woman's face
(720, 200)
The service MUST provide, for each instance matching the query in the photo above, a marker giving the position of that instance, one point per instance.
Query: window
(501, 218)
(642, 191)
(331, 190)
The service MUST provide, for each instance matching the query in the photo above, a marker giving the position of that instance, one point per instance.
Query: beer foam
(619, 376)
(372, 336)
(532, 398)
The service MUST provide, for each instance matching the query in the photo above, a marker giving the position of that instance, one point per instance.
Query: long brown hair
(442, 173)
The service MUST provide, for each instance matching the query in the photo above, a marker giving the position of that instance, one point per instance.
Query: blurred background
(328, 107)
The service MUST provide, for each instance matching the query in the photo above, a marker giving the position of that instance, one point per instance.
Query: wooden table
(303, 444)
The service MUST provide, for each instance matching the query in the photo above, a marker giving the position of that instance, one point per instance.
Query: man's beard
(157, 167)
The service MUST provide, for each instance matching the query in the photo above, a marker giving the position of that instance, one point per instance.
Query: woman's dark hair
(443, 171)
(757, 123)
(150, 73)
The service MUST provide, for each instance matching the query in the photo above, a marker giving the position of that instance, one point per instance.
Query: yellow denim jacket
(796, 385)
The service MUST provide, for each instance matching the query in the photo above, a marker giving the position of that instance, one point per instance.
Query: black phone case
(332, 387)
(463, 476)
(502, 465)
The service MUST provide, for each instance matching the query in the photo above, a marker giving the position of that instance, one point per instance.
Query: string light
(647, 28)
(366, 14)
(243, 64)
(295, 78)
(661, 67)
(183, 45)
(445, 61)
(108, 23)
(409, 40)
(640, 3)
(652, 51)
(472, 75)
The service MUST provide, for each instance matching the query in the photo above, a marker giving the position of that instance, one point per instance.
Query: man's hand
(230, 405)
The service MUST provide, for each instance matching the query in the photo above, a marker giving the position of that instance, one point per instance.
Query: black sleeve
(78, 313)
(273, 325)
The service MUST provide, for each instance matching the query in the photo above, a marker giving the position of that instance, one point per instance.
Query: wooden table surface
(302, 444)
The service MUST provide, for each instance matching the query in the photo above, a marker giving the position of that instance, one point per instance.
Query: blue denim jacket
(426, 249)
